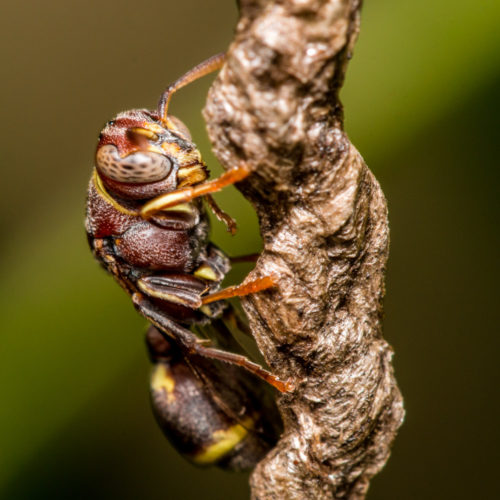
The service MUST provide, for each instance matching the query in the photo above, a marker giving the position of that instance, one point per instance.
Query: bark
(323, 220)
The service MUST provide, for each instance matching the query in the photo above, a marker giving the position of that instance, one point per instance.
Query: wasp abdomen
(190, 419)
(209, 427)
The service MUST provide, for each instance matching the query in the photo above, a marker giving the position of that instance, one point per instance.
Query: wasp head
(139, 157)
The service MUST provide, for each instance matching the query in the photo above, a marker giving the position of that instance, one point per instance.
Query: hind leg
(191, 344)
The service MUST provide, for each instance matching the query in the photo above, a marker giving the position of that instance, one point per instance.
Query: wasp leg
(182, 289)
(233, 318)
(188, 289)
(187, 194)
(221, 215)
(253, 286)
(244, 362)
(251, 257)
(189, 342)
(185, 290)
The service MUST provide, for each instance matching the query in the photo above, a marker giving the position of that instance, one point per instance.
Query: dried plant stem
(323, 220)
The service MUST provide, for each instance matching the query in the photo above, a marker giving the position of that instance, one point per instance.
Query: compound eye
(137, 168)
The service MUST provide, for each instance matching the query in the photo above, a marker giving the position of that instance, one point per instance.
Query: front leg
(221, 215)
(187, 194)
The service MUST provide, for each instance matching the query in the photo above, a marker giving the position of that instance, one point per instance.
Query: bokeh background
(422, 105)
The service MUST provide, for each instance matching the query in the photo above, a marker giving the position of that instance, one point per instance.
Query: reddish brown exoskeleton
(147, 226)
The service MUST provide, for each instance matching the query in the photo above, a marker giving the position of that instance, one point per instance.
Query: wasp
(148, 226)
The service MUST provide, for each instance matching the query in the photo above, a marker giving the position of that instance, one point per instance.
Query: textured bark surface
(323, 219)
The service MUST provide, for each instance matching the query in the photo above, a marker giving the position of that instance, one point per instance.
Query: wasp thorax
(137, 167)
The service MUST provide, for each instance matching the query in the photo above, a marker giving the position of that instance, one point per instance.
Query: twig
(323, 220)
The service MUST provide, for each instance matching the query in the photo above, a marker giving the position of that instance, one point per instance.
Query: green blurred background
(422, 105)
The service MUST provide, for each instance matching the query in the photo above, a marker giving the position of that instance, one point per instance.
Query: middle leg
(246, 288)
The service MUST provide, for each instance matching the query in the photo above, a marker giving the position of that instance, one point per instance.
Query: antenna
(206, 67)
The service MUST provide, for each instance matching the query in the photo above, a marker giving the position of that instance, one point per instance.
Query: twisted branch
(323, 220)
